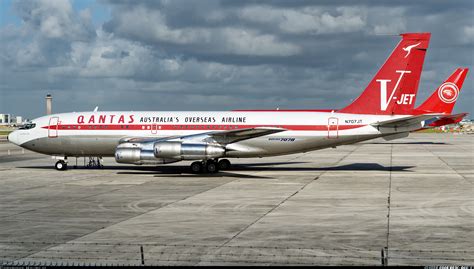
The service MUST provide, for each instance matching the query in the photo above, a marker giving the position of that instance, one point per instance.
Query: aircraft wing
(232, 136)
(405, 121)
(222, 137)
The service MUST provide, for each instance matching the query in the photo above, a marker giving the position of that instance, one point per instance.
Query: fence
(103, 253)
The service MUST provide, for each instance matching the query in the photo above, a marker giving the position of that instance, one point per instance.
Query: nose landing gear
(61, 165)
(209, 166)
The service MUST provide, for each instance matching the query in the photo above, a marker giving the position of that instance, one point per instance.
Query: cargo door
(333, 127)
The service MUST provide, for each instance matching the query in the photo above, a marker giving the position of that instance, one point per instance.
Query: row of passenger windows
(85, 127)
(225, 127)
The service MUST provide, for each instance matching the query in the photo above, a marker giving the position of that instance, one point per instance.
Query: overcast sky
(217, 55)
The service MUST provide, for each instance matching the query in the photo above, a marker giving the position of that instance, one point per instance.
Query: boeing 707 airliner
(384, 109)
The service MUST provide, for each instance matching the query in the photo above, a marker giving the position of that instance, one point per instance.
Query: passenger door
(53, 127)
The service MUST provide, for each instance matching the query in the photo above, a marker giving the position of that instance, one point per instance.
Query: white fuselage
(98, 133)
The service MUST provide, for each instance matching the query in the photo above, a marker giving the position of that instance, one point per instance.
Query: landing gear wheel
(196, 167)
(223, 164)
(60, 165)
(211, 167)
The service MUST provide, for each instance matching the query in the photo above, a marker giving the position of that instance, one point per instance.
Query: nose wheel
(60, 165)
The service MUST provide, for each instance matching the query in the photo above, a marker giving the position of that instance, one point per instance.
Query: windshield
(28, 125)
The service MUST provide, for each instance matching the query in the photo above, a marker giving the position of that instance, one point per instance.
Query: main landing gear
(210, 166)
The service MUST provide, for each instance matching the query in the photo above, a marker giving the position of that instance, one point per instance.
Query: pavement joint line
(269, 211)
(286, 199)
(445, 163)
(389, 202)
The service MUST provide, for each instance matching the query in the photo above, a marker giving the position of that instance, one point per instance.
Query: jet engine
(165, 152)
(138, 153)
(187, 151)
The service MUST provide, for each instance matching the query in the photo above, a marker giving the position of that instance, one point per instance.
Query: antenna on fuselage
(96, 108)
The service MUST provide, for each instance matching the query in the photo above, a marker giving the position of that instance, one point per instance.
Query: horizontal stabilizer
(405, 121)
(448, 119)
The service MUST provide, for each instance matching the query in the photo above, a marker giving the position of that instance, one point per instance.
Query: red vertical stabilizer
(393, 89)
(444, 98)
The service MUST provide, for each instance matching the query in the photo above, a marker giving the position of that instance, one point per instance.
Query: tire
(60, 165)
(211, 167)
(196, 167)
(224, 164)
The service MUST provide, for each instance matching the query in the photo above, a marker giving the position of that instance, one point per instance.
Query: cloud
(55, 19)
(307, 20)
(150, 27)
(211, 54)
(468, 34)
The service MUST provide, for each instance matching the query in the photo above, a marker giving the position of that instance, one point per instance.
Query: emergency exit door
(333, 127)
(53, 127)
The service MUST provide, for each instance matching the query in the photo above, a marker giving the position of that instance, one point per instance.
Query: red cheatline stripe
(284, 110)
(167, 127)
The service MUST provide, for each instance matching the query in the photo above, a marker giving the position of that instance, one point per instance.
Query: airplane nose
(13, 137)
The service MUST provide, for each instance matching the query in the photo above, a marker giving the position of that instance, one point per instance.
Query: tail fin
(394, 87)
(444, 98)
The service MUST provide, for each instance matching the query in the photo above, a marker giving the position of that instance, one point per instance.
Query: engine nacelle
(137, 155)
(187, 151)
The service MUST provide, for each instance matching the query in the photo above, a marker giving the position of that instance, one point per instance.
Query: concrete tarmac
(412, 198)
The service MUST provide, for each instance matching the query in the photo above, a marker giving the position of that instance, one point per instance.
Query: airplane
(384, 109)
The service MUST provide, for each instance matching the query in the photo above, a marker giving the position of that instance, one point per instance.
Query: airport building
(9, 119)
(5, 119)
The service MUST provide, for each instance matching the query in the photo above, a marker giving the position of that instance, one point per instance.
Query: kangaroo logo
(448, 92)
(408, 48)
(384, 101)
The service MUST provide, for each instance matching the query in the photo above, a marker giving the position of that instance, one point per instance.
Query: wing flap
(232, 136)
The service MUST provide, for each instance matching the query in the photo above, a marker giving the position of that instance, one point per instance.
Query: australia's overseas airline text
(111, 118)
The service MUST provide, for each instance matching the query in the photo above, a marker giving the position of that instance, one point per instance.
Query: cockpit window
(27, 126)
